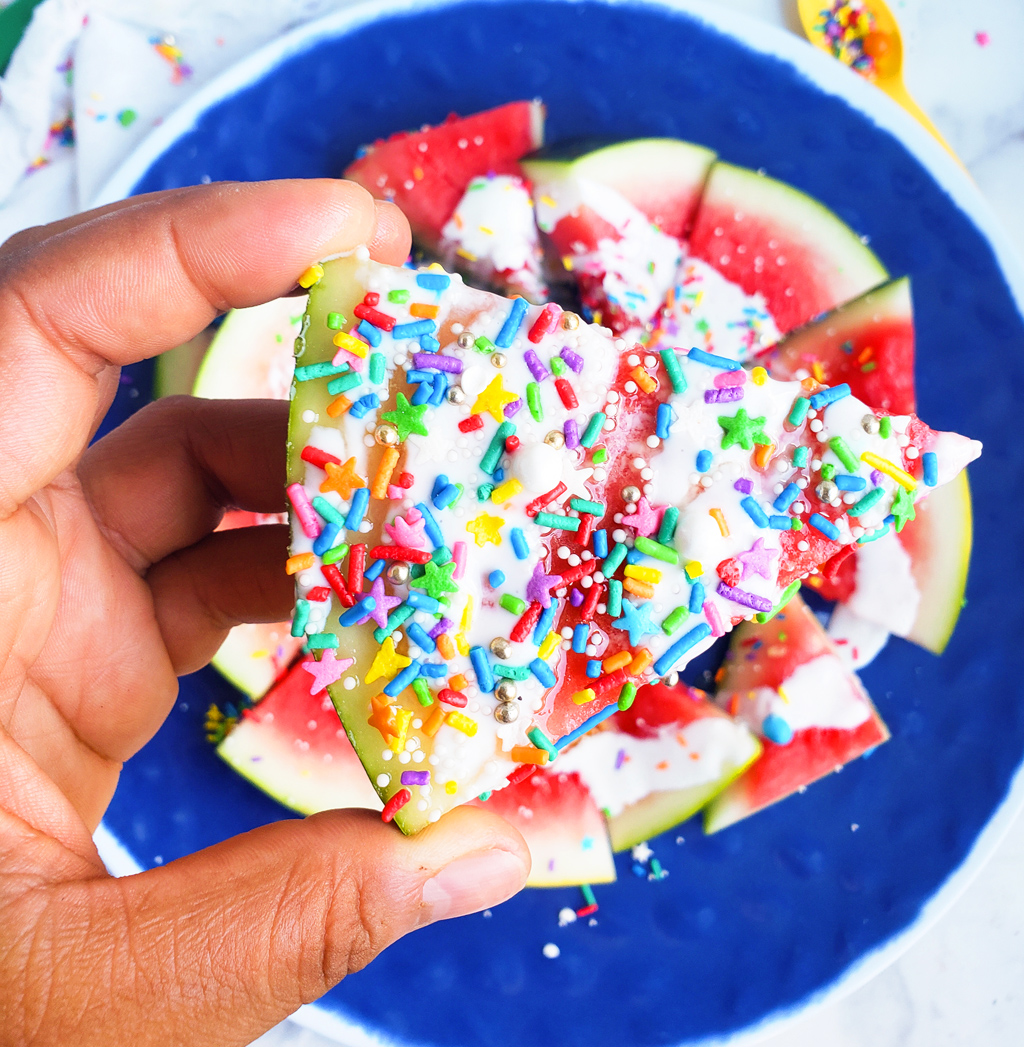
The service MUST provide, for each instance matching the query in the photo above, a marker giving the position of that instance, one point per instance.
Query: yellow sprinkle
(460, 643)
(643, 574)
(463, 253)
(694, 569)
(313, 275)
(451, 788)
(783, 695)
(549, 646)
(758, 376)
(883, 465)
(818, 371)
(567, 263)
(467, 615)
(584, 696)
(547, 201)
(435, 267)
(299, 562)
(351, 344)
(506, 492)
(484, 229)
(403, 717)
(461, 722)
(719, 518)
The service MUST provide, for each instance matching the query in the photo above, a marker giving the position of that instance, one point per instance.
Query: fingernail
(472, 883)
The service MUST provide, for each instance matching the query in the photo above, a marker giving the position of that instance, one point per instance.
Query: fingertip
(349, 214)
(392, 238)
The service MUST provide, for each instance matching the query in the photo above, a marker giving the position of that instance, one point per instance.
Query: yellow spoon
(868, 41)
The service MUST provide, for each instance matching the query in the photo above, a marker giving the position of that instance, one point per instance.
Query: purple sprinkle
(620, 758)
(415, 777)
(575, 597)
(442, 627)
(574, 360)
(514, 407)
(743, 486)
(537, 369)
(876, 477)
(723, 396)
(572, 434)
(437, 361)
(741, 596)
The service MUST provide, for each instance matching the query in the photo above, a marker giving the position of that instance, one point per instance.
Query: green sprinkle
(796, 524)
(322, 641)
(675, 619)
(582, 505)
(593, 429)
(339, 552)
(884, 427)
(512, 604)
(588, 894)
(399, 297)
(483, 344)
(869, 501)
(626, 695)
(559, 367)
(345, 383)
(541, 740)
(400, 614)
(127, 117)
(335, 321)
(615, 598)
(656, 870)
(496, 448)
(667, 530)
(484, 491)
(800, 456)
(600, 456)
(422, 691)
(562, 523)
(324, 370)
(533, 401)
(300, 618)
(649, 547)
(484, 797)
(614, 559)
(798, 412)
(874, 536)
(828, 470)
(868, 367)
(328, 512)
(417, 571)
(675, 372)
(378, 368)
(511, 672)
(442, 554)
(787, 594)
(841, 449)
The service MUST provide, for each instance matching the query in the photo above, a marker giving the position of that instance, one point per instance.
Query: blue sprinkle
(423, 393)
(403, 679)
(375, 570)
(930, 468)
(440, 390)
(429, 344)
(413, 330)
(599, 540)
(754, 511)
(704, 459)
(588, 725)
(639, 870)
(357, 510)
(498, 475)
(680, 647)
(890, 519)
(580, 635)
(786, 498)
(359, 611)
(830, 396)
(423, 602)
(593, 668)
(711, 360)
(519, 544)
(824, 525)
(430, 526)
(446, 496)
(846, 482)
(419, 636)
(482, 668)
(665, 420)
(496, 579)
(415, 374)
(369, 332)
(510, 327)
(326, 538)
(435, 670)
(780, 523)
(634, 557)
(440, 483)
(776, 730)
(544, 673)
(544, 623)
(696, 597)
(364, 405)
(433, 281)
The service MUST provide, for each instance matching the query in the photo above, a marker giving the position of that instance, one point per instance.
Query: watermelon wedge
(785, 679)
(505, 545)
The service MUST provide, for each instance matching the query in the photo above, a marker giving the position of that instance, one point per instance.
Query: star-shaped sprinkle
(342, 478)
(636, 621)
(437, 579)
(903, 508)
(383, 719)
(539, 587)
(408, 530)
(484, 528)
(642, 853)
(387, 662)
(741, 429)
(326, 671)
(493, 400)
(757, 560)
(407, 418)
(384, 604)
(645, 520)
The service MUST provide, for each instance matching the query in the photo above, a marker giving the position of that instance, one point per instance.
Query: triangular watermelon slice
(786, 680)
(498, 470)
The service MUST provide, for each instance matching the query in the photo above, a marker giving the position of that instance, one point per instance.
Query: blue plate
(790, 906)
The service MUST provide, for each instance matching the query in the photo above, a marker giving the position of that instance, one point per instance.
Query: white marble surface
(962, 983)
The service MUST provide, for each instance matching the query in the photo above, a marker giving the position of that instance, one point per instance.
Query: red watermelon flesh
(426, 172)
(867, 343)
(792, 656)
(776, 241)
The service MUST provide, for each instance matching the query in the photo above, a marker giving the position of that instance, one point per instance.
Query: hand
(112, 583)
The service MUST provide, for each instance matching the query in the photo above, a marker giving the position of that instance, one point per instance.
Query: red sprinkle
(406, 480)
(589, 606)
(545, 499)
(318, 593)
(395, 804)
(529, 619)
(356, 565)
(375, 317)
(371, 298)
(399, 552)
(521, 773)
(544, 323)
(450, 697)
(315, 456)
(587, 521)
(731, 572)
(574, 574)
(587, 910)
(512, 444)
(471, 424)
(609, 682)
(565, 392)
(333, 575)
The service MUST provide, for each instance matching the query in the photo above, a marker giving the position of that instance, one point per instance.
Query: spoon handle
(895, 89)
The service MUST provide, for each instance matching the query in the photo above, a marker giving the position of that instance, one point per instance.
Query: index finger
(126, 285)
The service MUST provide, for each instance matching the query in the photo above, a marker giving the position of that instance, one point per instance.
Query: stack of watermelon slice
(670, 247)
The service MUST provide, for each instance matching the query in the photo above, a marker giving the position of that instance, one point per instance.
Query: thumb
(218, 947)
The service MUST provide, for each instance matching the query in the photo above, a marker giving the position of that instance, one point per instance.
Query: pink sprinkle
(459, 556)
(396, 494)
(714, 619)
(727, 379)
(304, 510)
(982, 39)
(343, 356)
